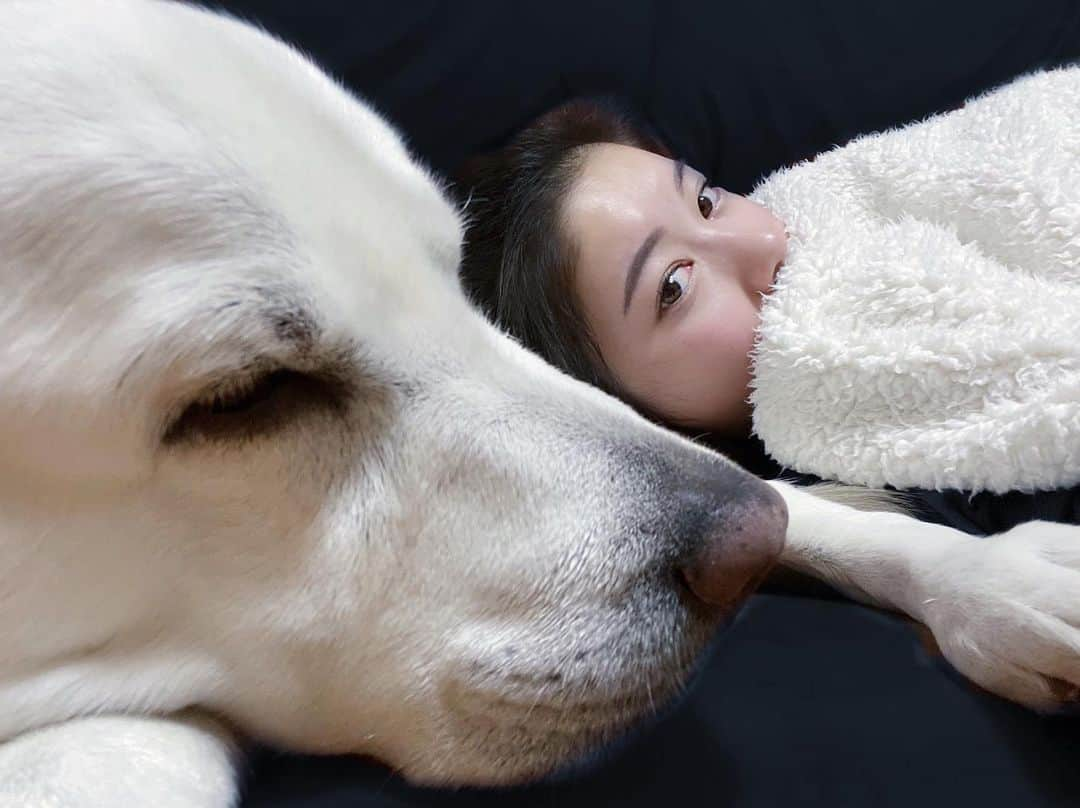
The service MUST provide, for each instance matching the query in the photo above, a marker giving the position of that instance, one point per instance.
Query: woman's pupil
(704, 205)
(671, 293)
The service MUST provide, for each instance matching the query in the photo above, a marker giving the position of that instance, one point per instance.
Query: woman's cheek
(727, 336)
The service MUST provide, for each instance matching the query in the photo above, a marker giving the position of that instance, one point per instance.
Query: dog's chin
(504, 742)
(497, 752)
(515, 727)
(510, 745)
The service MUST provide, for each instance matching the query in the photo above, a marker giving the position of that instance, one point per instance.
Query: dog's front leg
(116, 761)
(871, 556)
(1005, 610)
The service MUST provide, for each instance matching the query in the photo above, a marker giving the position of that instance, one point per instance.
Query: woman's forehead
(620, 196)
(627, 173)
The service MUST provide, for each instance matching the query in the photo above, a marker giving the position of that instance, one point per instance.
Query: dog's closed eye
(253, 405)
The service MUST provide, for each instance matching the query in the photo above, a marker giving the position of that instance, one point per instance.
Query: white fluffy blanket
(925, 330)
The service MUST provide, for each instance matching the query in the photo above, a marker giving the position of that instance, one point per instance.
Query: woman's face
(670, 277)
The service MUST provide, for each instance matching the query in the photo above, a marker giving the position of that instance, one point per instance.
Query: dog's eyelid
(257, 401)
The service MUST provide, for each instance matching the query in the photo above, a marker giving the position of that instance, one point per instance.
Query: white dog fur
(423, 544)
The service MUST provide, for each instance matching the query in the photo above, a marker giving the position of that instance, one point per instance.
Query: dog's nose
(741, 542)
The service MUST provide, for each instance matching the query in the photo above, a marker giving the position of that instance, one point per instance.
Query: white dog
(260, 460)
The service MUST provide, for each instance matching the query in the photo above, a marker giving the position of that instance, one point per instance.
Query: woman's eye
(674, 285)
(706, 201)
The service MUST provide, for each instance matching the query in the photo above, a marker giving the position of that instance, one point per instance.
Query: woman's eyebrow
(637, 264)
(680, 167)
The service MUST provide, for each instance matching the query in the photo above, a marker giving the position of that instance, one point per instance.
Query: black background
(806, 701)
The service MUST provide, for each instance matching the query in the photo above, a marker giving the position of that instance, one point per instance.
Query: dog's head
(258, 454)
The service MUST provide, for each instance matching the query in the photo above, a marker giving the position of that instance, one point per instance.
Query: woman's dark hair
(518, 262)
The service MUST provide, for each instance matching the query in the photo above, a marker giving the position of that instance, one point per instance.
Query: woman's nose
(752, 241)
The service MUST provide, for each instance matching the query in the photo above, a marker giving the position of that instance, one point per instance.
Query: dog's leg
(1005, 610)
(869, 555)
(177, 762)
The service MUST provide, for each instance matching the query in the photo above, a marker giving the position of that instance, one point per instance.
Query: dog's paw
(110, 761)
(1005, 611)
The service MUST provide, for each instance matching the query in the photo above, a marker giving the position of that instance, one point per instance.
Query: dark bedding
(806, 701)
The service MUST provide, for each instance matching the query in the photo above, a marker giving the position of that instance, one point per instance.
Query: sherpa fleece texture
(925, 329)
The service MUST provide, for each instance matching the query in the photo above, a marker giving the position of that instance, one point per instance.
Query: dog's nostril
(682, 582)
(736, 554)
